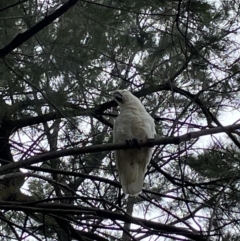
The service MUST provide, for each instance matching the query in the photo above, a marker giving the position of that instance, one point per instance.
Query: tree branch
(23, 37)
(66, 209)
(72, 111)
(175, 140)
(12, 5)
(98, 111)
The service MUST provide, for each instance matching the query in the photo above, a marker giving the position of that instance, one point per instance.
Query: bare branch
(66, 209)
(175, 140)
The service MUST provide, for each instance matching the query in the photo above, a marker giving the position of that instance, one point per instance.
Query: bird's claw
(133, 143)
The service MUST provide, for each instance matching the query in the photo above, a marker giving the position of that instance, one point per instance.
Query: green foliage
(214, 163)
(179, 57)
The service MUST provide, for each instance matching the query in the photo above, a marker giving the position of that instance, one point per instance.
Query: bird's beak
(118, 97)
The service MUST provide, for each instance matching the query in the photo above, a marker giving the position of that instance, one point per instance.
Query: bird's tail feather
(132, 181)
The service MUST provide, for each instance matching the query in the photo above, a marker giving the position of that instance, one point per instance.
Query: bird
(133, 123)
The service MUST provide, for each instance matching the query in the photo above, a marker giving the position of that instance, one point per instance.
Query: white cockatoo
(133, 122)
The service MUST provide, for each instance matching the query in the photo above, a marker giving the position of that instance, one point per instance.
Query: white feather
(132, 122)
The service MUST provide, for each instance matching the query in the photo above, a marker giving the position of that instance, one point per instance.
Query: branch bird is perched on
(133, 123)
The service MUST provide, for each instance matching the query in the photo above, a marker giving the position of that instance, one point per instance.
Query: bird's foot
(133, 143)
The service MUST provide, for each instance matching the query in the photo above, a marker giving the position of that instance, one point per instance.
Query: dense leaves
(59, 62)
